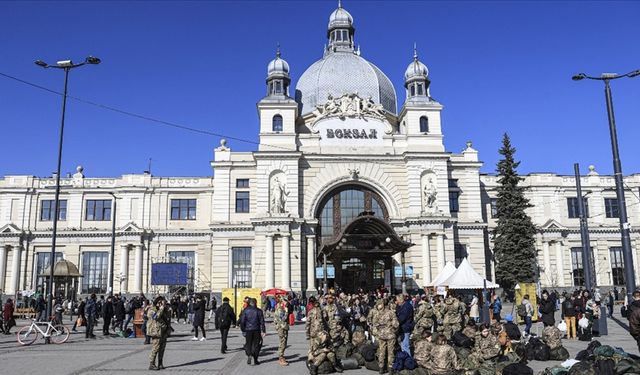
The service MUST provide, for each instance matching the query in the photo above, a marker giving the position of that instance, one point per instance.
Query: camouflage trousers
(386, 350)
(158, 344)
(283, 336)
(316, 358)
(449, 329)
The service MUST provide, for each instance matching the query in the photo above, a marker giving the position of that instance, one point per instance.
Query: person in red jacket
(7, 316)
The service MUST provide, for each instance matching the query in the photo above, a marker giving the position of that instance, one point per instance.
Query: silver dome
(339, 73)
(278, 66)
(416, 70)
(340, 18)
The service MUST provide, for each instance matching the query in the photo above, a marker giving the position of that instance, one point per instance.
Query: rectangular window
(188, 257)
(278, 87)
(48, 207)
(572, 207)
(42, 262)
(183, 209)
(576, 266)
(494, 207)
(345, 35)
(94, 272)
(242, 201)
(611, 207)
(454, 201)
(617, 265)
(420, 90)
(241, 267)
(460, 252)
(98, 210)
(242, 183)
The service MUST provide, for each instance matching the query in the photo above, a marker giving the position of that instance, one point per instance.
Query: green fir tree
(514, 237)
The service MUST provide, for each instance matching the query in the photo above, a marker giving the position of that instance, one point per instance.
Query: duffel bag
(559, 354)
(350, 363)
(517, 369)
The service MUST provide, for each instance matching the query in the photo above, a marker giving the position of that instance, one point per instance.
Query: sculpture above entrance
(349, 106)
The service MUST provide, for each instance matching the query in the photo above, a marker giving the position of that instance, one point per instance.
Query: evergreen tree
(514, 237)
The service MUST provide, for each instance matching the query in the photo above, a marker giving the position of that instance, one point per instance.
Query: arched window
(277, 123)
(424, 124)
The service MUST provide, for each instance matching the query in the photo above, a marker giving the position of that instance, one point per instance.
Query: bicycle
(58, 333)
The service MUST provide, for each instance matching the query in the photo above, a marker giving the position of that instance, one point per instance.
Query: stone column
(440, 250)
(3, 266)
(426, 260)
(311, 264)
(286, 262)
(268, 273)
(560, 263)
(594, 265)
(137, 280)
(15, 269)
(546, 261)
(124, 268)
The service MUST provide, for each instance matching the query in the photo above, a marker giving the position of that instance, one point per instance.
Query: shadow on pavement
(198, 362)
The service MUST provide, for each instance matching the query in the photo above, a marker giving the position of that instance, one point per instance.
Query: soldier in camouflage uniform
(315, 323)
(385, 326)
(438, 309)
(321, 350)
(159, 318)
(552, 336)
(423, 319)
(280, 318)
(333, 316)
(452, 316)
(486, 349)
(443, 359)
(422, 349)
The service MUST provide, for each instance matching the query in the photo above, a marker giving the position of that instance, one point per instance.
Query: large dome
(339, 73)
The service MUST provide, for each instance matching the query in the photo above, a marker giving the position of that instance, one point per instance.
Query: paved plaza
(114, 355)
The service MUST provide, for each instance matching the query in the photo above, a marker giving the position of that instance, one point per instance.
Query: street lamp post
(629, 274)
(114, 211)
(584, 233)
(65, 65)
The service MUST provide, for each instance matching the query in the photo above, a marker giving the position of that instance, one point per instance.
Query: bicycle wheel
(59, 334)
(27, 335)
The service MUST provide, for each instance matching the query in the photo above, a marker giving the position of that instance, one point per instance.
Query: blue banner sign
(331, 272)
(169, 274)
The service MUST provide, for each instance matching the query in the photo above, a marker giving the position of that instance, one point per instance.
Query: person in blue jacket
(404, 312)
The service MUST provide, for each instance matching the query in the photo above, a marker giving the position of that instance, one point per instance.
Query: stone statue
(430, 196)
(348, 105)
(279, 195)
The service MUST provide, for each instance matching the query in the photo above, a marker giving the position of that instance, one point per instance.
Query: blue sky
(495, 66)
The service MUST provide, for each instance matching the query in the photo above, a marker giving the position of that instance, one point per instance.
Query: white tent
(448, 270)
(466, 277)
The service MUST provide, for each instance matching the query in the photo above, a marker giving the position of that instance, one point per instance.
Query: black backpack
(461, 340)
(517, 369)
(605, 367)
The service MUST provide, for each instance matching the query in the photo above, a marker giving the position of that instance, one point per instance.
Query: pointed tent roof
(466, 277)
(446, 272)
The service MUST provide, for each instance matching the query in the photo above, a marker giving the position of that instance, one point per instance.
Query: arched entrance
(356, 239)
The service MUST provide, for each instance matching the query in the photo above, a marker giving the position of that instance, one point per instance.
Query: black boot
(248, 359)
(160, 365)
(152, 366)
(313, 370)
(338, 367)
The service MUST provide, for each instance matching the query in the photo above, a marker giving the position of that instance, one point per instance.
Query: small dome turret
(340, 18)
(278, 76)
(416, 79)
(340, 31)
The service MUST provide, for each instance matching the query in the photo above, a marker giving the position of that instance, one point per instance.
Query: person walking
(253, 328)
(82, 318)
(569, 313)
(405, 319)
(158, 319)
(528, 314)
(547, 309)
(41, 308)
(7, 316)
(90, 313)
(145, 319)
(199, 308)
(225, 318)
(610, 303)
(107, 312)
(497, 308)
(119, 312)
(281, 321)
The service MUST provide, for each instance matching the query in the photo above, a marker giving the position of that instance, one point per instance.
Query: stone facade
(259, 220)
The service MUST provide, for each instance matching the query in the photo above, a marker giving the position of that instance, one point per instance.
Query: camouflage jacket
(487, 347)
(315, 322)
(424, 316)
(452, 313)
(332, 316)
(552, 337)
(385, 325)
(422, 352)
(319, 344)
(443, 360)
(281, 318)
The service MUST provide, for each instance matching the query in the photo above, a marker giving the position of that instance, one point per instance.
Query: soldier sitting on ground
(470, 329)
(552, 336)
(443, 359)
(423, 348)
(486, 349)
(321, 351)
